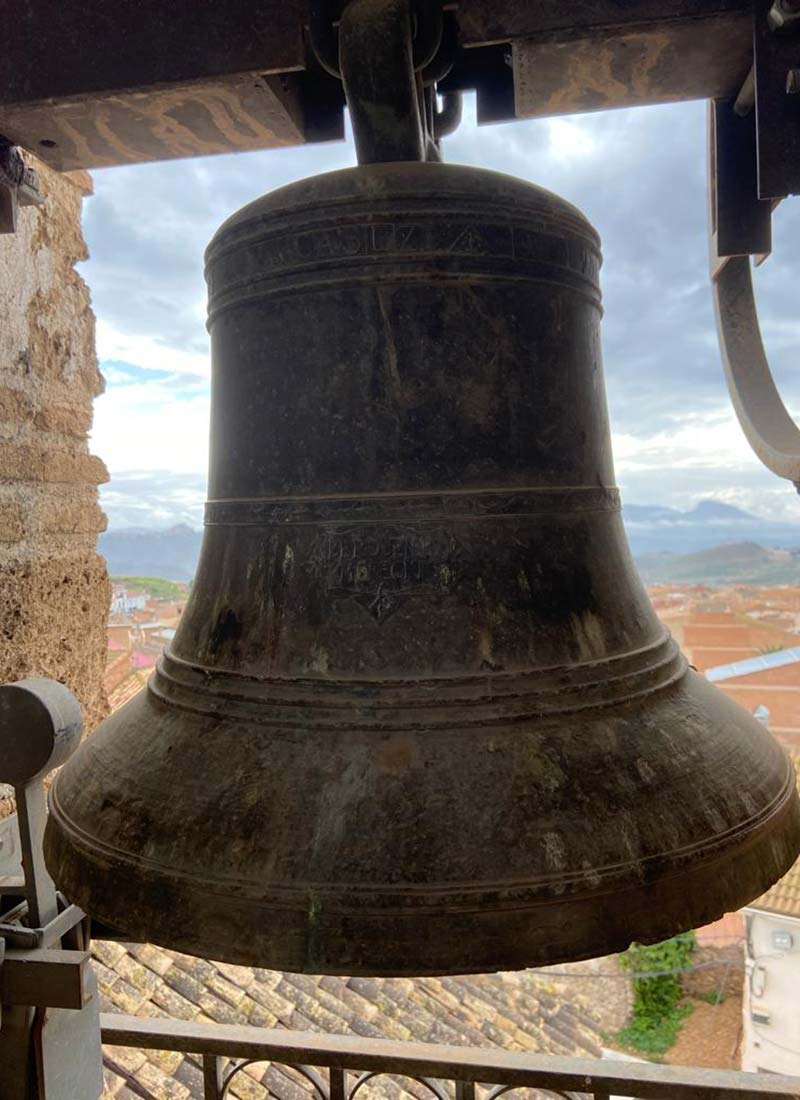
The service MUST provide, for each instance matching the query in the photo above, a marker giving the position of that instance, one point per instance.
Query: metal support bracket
(776, 64)
(753, 162)
(50, 1027)
(19, 186)
(765, 420)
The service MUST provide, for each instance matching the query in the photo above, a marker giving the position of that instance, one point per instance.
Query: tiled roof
(512, 1011)
(747, 667)
(784, 896)
(124, 691)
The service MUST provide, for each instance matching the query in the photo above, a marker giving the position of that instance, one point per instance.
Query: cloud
(151, 420)
(639, 175)
(154, 498)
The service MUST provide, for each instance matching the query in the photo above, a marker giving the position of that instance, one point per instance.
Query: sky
(640, 177)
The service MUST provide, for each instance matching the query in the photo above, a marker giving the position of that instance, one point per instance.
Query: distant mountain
(733, 563)
(652, 530)
(169, 552)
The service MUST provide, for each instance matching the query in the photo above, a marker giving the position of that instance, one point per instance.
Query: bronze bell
(419, 715)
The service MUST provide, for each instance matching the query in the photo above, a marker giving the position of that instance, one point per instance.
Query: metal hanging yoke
(389, 55)
(377, 66)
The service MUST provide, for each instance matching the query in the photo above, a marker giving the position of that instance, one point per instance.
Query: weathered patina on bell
(419, 715)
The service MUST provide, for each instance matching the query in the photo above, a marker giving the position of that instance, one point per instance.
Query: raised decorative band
(456, 702)
(281, 261)
(459, 505)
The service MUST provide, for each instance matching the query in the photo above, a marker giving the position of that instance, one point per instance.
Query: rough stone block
(71, 517)
(52, 623)
(15, 406)
(70, 419)
(24, 462)
(12, 523)
(75, 468)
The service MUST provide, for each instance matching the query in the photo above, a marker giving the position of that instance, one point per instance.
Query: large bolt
(783, 13)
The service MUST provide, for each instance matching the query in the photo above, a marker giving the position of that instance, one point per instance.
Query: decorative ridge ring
(765, 420)
(419, 507)
(470, 702)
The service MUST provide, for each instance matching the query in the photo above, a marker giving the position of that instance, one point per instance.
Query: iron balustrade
(339, 1066)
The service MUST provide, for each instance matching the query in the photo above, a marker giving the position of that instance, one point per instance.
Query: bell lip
(515, 894)
(395, 180)
(502, 939)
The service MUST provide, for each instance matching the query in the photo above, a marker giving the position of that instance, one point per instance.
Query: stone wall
(54, 591)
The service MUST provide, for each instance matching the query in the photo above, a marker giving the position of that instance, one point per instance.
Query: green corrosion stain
(313, 952)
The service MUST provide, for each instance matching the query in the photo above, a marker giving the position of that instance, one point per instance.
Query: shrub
(657, 1011)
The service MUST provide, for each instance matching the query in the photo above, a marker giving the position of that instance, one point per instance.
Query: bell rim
(488, 893)
(676, 911)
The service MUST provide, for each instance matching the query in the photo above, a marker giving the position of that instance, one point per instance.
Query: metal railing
(337, 1067)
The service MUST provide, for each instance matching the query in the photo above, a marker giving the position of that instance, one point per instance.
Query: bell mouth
(272, 910)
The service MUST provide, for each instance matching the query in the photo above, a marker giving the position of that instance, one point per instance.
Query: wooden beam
(485, 21)
(57, 51)
(45, 979)
(226, 115)
(628, 66)
(96, 84)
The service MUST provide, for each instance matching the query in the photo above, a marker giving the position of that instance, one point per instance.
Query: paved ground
(710, 1037)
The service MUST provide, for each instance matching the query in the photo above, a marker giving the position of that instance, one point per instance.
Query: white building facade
(771, 996)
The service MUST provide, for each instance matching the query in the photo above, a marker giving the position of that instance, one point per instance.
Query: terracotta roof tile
(512, 1011)
(190, 1075)
(784, 896)
(126, 690)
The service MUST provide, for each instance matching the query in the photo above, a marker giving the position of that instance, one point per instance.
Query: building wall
(771, 1025)
(54, 591)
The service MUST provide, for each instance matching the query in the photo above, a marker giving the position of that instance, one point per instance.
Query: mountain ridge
(653, 531)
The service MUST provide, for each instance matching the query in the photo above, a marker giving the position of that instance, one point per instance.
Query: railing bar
(646, 1081)
(212, 1077)
(336, 1083)
(465, 1090)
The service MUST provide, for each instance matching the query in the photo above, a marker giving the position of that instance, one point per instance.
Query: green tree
(657, 1011)
(154, 586)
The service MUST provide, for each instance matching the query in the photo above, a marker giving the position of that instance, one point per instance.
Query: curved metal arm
(770, 430)
(377, 66)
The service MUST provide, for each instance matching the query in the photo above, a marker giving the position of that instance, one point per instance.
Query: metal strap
(765, 420)
(377, 65)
